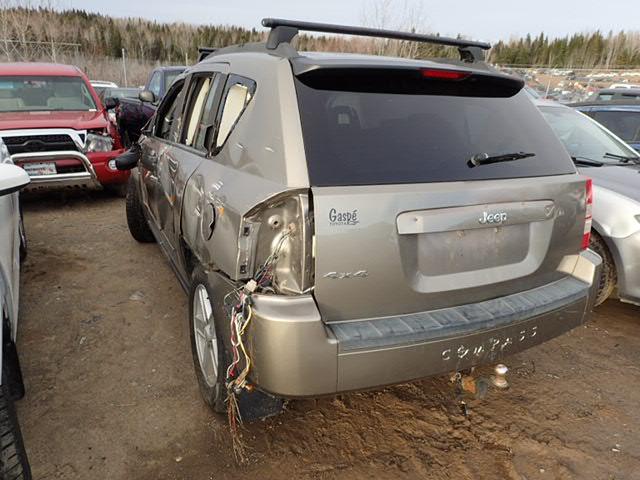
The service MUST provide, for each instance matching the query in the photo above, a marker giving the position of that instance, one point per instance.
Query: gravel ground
(111, 392)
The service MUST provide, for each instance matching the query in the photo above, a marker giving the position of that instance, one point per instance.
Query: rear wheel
(138, 226)
(207, 348)
(607, 280)
(211, 357)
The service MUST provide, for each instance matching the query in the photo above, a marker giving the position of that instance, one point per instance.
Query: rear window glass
(626, 125)
(397, 136)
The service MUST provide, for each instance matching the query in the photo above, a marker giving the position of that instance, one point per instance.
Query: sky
(488, 20)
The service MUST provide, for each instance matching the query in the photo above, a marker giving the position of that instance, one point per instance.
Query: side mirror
(147, 96)
(110, 103)
(129, 159)
(12, 178)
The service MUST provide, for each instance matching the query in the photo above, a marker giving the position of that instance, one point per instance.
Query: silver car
(614, 166)
(345, 222)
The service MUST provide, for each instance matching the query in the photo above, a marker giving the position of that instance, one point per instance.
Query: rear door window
(237, 94)
(355, 134)
(198, 94)
(207, 122)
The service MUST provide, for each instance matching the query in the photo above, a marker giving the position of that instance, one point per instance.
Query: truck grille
(39, 143)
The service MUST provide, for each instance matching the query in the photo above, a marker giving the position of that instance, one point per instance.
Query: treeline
(582, 50)
(148, 41)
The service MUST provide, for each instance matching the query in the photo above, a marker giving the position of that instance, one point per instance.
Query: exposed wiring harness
(239, 306)
(240, 312)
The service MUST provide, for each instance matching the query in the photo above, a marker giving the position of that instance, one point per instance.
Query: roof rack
(283, 31)
(204, 52)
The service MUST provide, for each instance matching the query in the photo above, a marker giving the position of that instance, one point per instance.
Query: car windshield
(40, 93)
(584, 138)
(170, 76)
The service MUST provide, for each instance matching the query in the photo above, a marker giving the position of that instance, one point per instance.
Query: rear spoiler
(204, 52)
(283, 31)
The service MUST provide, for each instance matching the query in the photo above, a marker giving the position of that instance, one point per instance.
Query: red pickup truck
(53, 125)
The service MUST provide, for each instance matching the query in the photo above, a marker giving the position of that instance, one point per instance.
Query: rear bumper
(627, 253)
(295, 354)
(95, 168)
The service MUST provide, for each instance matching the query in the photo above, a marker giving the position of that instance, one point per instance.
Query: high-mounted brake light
(586, 233)
(444, 74)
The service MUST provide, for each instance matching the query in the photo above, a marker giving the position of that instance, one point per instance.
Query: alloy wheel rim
(205, 335)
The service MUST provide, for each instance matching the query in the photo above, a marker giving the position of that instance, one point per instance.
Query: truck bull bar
(59, 179)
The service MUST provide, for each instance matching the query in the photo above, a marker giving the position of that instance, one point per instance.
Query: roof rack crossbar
(283, 31)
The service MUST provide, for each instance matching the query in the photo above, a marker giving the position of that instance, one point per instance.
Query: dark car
(133, 113)
(617, 109)
(110, 97)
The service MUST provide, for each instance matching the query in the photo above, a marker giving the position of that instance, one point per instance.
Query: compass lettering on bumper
(491, 345)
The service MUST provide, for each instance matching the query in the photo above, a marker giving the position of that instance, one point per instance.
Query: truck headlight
(98, 143)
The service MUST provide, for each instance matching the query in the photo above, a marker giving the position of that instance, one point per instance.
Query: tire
(14, 463)
(607, 280)
(210, 380)
(254, 404)
(23, 238)
(136, 221)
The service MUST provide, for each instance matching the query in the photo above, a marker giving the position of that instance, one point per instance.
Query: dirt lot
(111, 392)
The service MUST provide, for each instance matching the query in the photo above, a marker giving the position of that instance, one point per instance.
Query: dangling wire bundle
(240, 312)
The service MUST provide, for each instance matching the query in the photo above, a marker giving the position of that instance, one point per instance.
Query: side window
(625, 125)
(154, 84)
(169, 114)
(205, 128)
(198, 96)
(237, 94)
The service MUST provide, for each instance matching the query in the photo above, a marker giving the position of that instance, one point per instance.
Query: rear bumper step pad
(425, 326)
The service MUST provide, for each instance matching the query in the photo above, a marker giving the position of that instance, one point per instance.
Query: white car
(13, 457)
(100, 85)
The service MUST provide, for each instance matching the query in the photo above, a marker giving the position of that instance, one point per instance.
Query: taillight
(277, 251)
(437, 74)
(586, 234)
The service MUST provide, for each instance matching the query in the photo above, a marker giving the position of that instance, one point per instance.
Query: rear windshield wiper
(588, 162)
(485, 158)
(622, 158)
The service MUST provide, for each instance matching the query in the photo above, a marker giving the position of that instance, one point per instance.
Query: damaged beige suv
(345, 222)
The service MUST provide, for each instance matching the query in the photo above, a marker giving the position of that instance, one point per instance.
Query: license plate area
(40, 169)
